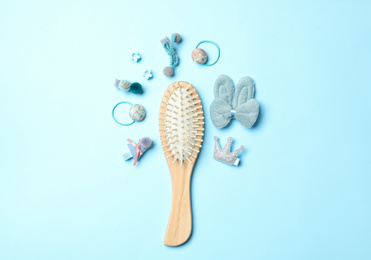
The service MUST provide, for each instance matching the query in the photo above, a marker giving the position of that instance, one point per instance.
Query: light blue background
(302, 190)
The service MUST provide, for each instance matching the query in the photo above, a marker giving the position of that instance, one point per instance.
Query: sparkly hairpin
(225, 155)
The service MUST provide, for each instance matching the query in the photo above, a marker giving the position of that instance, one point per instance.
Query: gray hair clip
(229, 103)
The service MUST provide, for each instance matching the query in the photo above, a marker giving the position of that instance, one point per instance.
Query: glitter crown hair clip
(225, 155)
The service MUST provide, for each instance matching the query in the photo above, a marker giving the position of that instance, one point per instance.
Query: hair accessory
(170, 50)
(136, 88)
(225, 155)
(199, 55)
(136, 150)
(229, 103)
(181, 131)
(135, 56)
(124, 85)
(136, 113)
(148, 74)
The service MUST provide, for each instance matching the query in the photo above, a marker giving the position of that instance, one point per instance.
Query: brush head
(181, 123)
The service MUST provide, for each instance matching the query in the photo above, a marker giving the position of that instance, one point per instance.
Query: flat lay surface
(302, 188)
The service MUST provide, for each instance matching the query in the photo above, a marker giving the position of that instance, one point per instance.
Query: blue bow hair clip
(229, 103)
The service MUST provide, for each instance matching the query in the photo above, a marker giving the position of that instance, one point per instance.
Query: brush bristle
(181, 123)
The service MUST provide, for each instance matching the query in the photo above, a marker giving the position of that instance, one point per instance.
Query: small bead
(168, 71)
(145, 143)
(178, 38)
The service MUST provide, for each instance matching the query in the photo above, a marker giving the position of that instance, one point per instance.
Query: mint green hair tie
(200, 56)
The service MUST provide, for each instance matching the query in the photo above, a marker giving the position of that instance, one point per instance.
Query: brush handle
(179, 227)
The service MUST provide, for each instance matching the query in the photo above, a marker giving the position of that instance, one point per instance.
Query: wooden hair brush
(181, 131)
